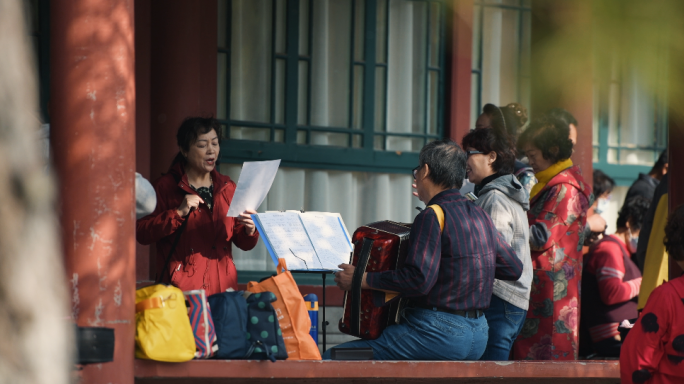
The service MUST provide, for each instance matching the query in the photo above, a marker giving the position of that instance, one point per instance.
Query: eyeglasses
(415, 171)
(470, 153)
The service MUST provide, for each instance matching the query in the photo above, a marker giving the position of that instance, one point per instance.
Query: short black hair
(190, 129)
(662, 160)
(546, 133)
(447, 163)
(562, 114)
(492, 140)
(633, 211)
(674, 234)
(602, 183)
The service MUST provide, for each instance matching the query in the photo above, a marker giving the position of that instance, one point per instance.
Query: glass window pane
(379, 143)
(407, 75)
(250, 77)
(612, 156)
(334, 139)
(357, 141)
(304, 19)
(433, 102)
(405, 144)
(280, 92)
(380, 98)
(301, 137)
(381, 32)
(637, 157)
(357, 121)
(475, 101)
(511, 3)
(595, 155)
(501, 53)
(477, 36)
(279, 136)
(303, 93)
(281, 27)
(250, 133)
(359, 24)
(330, 65)
(222, 23)
(435, 33)
(222, 79)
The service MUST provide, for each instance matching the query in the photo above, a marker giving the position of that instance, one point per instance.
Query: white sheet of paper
(255, 181)
(328, 238)
(289, 240)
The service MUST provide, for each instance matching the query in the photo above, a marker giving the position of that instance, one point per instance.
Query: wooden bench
(246, 371)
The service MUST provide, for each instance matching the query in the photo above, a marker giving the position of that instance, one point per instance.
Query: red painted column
(460, 54)
(563, 69)
(183, 71)
(143, 158)
(182, 76)
(93, 141)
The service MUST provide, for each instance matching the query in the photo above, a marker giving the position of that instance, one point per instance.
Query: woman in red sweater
(611, 280)
(653, 351)
(194, 191)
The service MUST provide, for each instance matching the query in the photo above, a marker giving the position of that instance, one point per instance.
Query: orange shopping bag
(292, 314)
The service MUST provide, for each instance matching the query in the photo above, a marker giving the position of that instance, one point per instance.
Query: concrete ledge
(246, 371)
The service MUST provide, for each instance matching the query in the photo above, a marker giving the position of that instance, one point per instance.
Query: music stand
(323, 273)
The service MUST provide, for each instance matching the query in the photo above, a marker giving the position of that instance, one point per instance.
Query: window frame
(365, 158)
(624, 174)
(478, 71)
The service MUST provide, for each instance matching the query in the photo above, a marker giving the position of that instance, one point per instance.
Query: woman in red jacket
(193, 190)
(557, 216)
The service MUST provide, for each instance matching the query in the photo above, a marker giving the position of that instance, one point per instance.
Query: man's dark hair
(491, 140)
(662, 160)
(633, 211)
(674, 234)
(547, 133)
(602, 183)
(562, 114)
(190, 129)
(447, 163)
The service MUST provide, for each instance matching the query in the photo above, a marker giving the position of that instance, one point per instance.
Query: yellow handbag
(162, 326)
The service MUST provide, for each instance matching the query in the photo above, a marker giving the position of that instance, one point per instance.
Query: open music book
(306, 240)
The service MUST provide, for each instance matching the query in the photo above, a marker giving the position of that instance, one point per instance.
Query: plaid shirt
(455, 269)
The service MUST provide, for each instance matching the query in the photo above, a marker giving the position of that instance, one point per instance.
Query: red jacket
(203, 258)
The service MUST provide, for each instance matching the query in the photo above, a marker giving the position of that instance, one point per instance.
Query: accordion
(379, 246)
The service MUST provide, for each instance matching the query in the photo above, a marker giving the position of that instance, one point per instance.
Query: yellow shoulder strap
(440, 215)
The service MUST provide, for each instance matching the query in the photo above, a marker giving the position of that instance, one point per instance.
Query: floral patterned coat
(551, 329)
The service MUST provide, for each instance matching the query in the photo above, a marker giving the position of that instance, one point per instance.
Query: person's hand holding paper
(253, 185)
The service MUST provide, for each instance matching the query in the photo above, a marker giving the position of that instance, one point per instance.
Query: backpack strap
(440, 215)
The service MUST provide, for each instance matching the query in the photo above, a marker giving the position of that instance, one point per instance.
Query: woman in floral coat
(557, 216)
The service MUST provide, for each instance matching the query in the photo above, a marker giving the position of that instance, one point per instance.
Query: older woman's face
(479, 165)
(202, 154)
(537, 160)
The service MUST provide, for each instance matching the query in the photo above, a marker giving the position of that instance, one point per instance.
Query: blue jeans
(425, 334)
(505, 323)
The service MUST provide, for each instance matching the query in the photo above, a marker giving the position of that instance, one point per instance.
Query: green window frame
(606, 156)
(366, 142)
(523, 89)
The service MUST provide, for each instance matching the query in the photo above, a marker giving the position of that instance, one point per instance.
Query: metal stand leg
(323, 322)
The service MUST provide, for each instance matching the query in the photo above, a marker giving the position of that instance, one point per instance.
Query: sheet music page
(289, 240)
(328, 238)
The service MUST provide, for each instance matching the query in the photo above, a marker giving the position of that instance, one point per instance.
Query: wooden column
(459, 62)
(562, 68)
(93, 141)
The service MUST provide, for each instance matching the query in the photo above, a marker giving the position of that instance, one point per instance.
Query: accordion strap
(440, 215)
